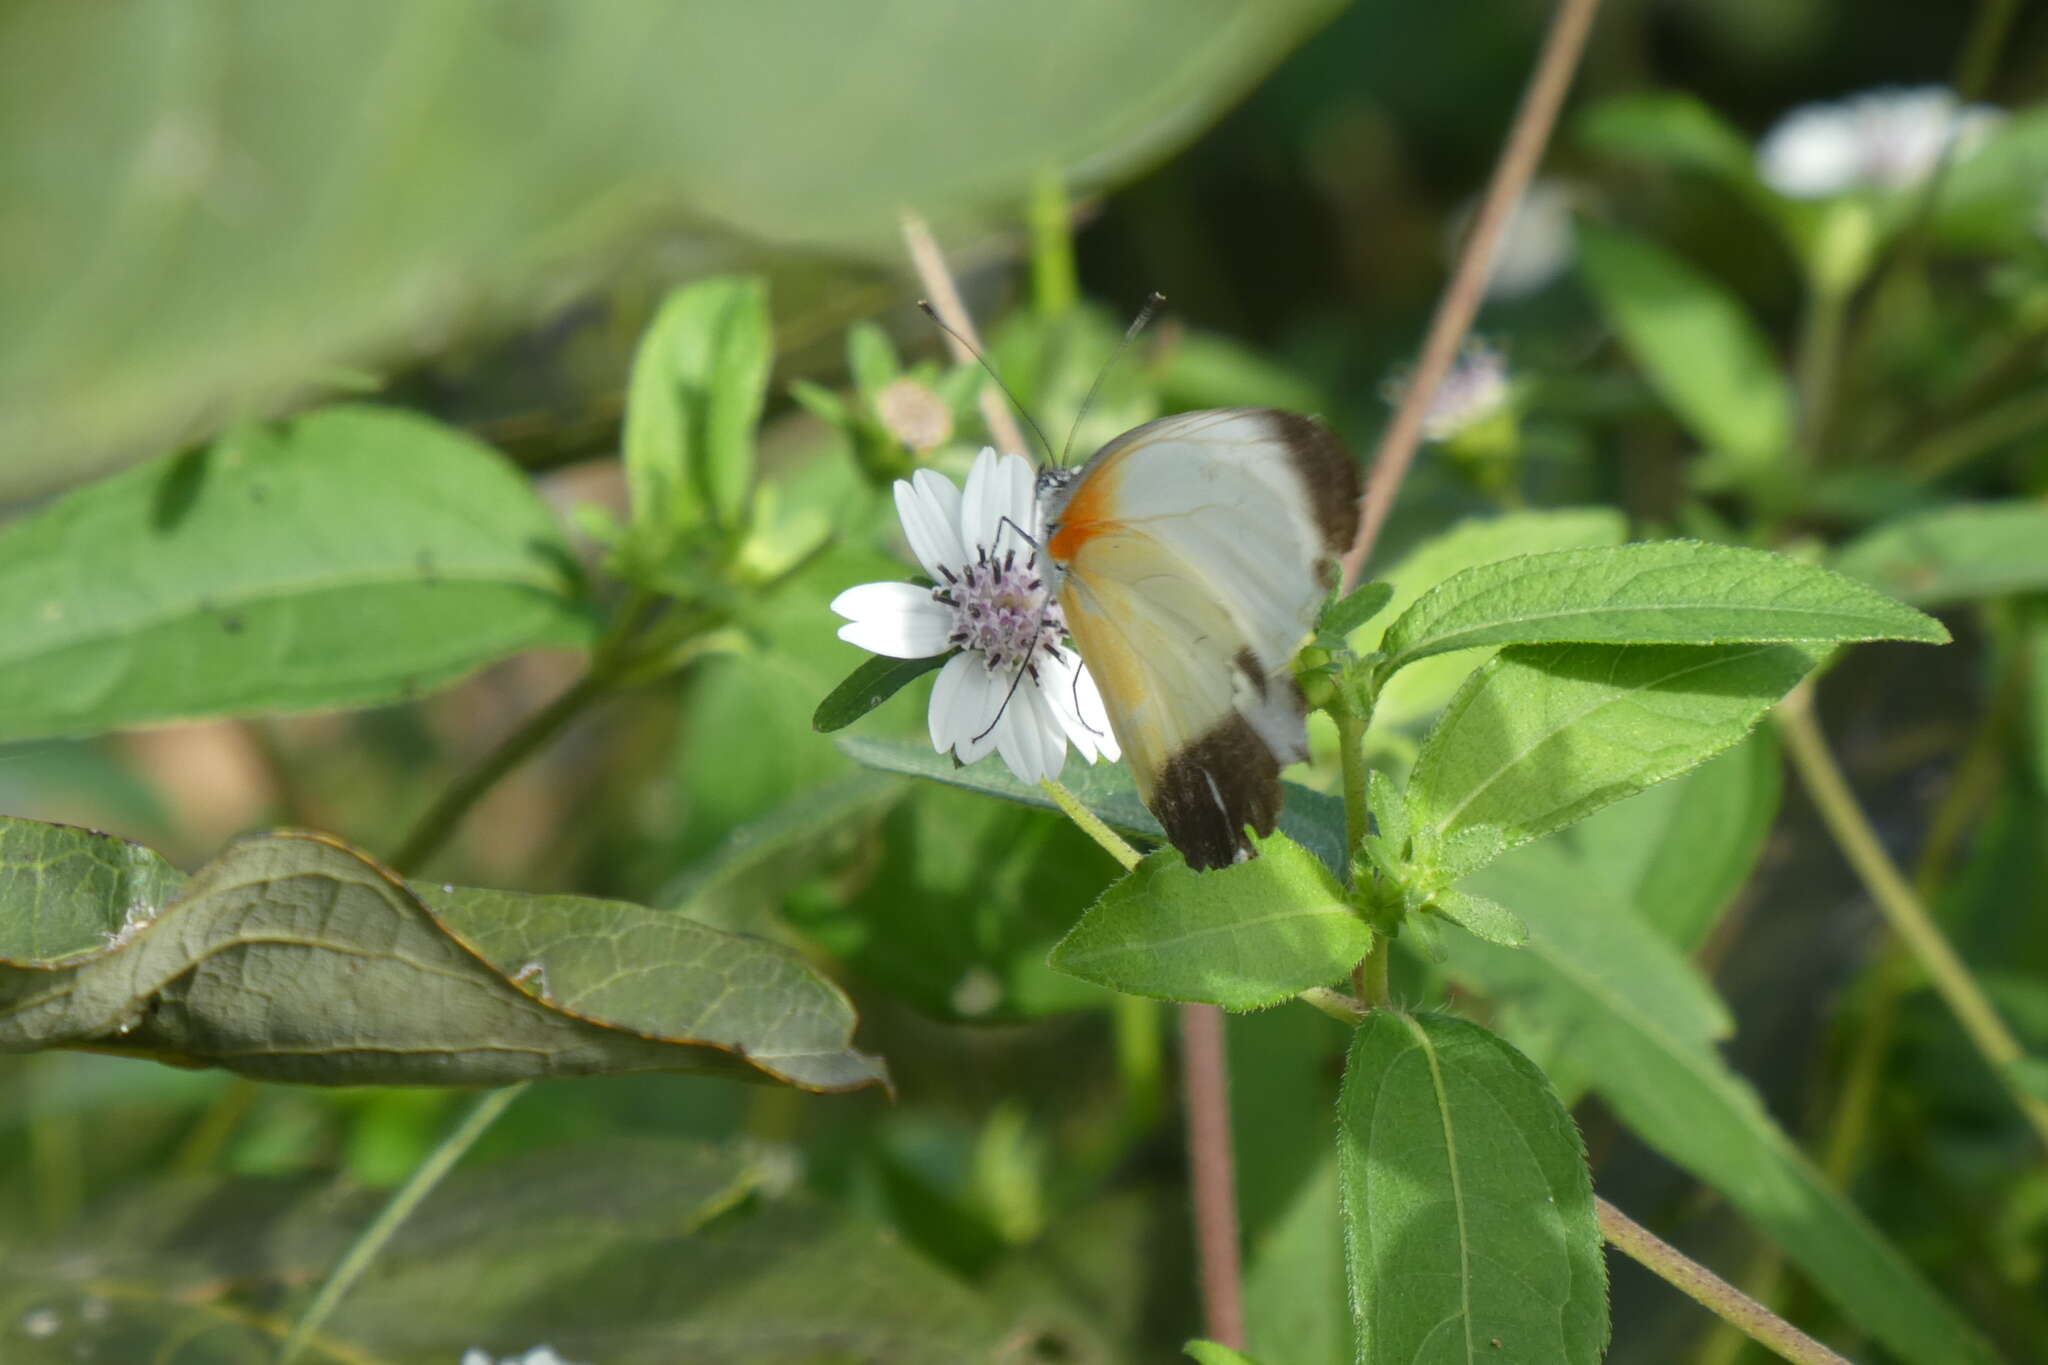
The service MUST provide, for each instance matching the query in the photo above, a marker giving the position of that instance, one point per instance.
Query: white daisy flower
(1473, 389)
(1887, 139)
(1014, 687)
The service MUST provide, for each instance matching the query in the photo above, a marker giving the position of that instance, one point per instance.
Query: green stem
(1817, 366)
(202, 1147)
(1370, 978)
(444, 815)
(393, 1215)
(1902, 909)
(1710, 1291)
(1053, 286)
(1980, 50)
(1351, 754)
(1140, 1052)
(55, 1139)
(614, 661)
(1942, 452)
(1091, 824)
(1974, 69)
(1971, 787)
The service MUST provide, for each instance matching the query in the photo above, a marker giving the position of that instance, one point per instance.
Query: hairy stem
(1901, 907)
(1460, 302)
(396, 1210)
(1710, 1291)
(1351, 754)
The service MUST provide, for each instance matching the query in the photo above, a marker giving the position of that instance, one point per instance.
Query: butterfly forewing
(1195, 550)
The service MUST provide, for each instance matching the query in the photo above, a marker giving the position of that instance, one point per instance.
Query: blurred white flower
(539, 1355)
(1537, 244)
(1473, 389)
(1013, 687)
(1884, 139)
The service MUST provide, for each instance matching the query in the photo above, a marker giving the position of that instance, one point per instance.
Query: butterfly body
(1193, 553)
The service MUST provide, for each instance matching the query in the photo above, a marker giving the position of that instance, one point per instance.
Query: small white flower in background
(1013, 688)
(1474, 389)
(1537, 243)
(539, 1355)
(1885, 139)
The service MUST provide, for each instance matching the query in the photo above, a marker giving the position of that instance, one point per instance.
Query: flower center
(1002, 610)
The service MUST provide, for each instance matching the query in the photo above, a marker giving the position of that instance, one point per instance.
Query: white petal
(1030, 740)
(1812, 152)
(897, 619)
(928, 505)
(1068, 697)
(965, 701)
(999, 488)
(1094, 716)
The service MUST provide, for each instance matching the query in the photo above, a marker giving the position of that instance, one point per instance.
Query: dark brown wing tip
(1208, 792)
(1328, 470)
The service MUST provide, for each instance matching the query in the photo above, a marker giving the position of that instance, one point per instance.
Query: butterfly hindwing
(1195, 551)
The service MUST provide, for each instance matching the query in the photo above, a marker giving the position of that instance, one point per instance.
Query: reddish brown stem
(1212, 1171)
(1460, 302)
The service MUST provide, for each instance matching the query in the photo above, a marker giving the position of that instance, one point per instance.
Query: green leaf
(1295, 1298)
(1464, 851)
(1343, 617)
(871, 358)
(260, 241)
(699, 380)
(1676, 855)
(1660, 592)
(1990, 198)
(867, 687)
(1695, 343)
(1595, 986)
(1389, 808)
(1543, 735)
(1215, 1353)
(1961, 553)
(351, 557)
(1310, 818)
(613, 1251)
(1422, 689)
(1242, 937)
(1468, 1210)
(1482, 918)
(289, 957)
(1669, 128)
(1584, 938)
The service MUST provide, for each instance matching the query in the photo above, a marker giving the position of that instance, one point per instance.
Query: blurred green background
(211, 213)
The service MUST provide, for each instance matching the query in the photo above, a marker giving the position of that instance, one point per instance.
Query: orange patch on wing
(1088, 513)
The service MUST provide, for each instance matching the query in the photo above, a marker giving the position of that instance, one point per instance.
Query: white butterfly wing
(1195, 551)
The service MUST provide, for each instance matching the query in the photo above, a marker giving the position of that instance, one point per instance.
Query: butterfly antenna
(1153, 303)
(982, 360)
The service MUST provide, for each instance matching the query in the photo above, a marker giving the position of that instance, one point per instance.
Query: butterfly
(1193, 553)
